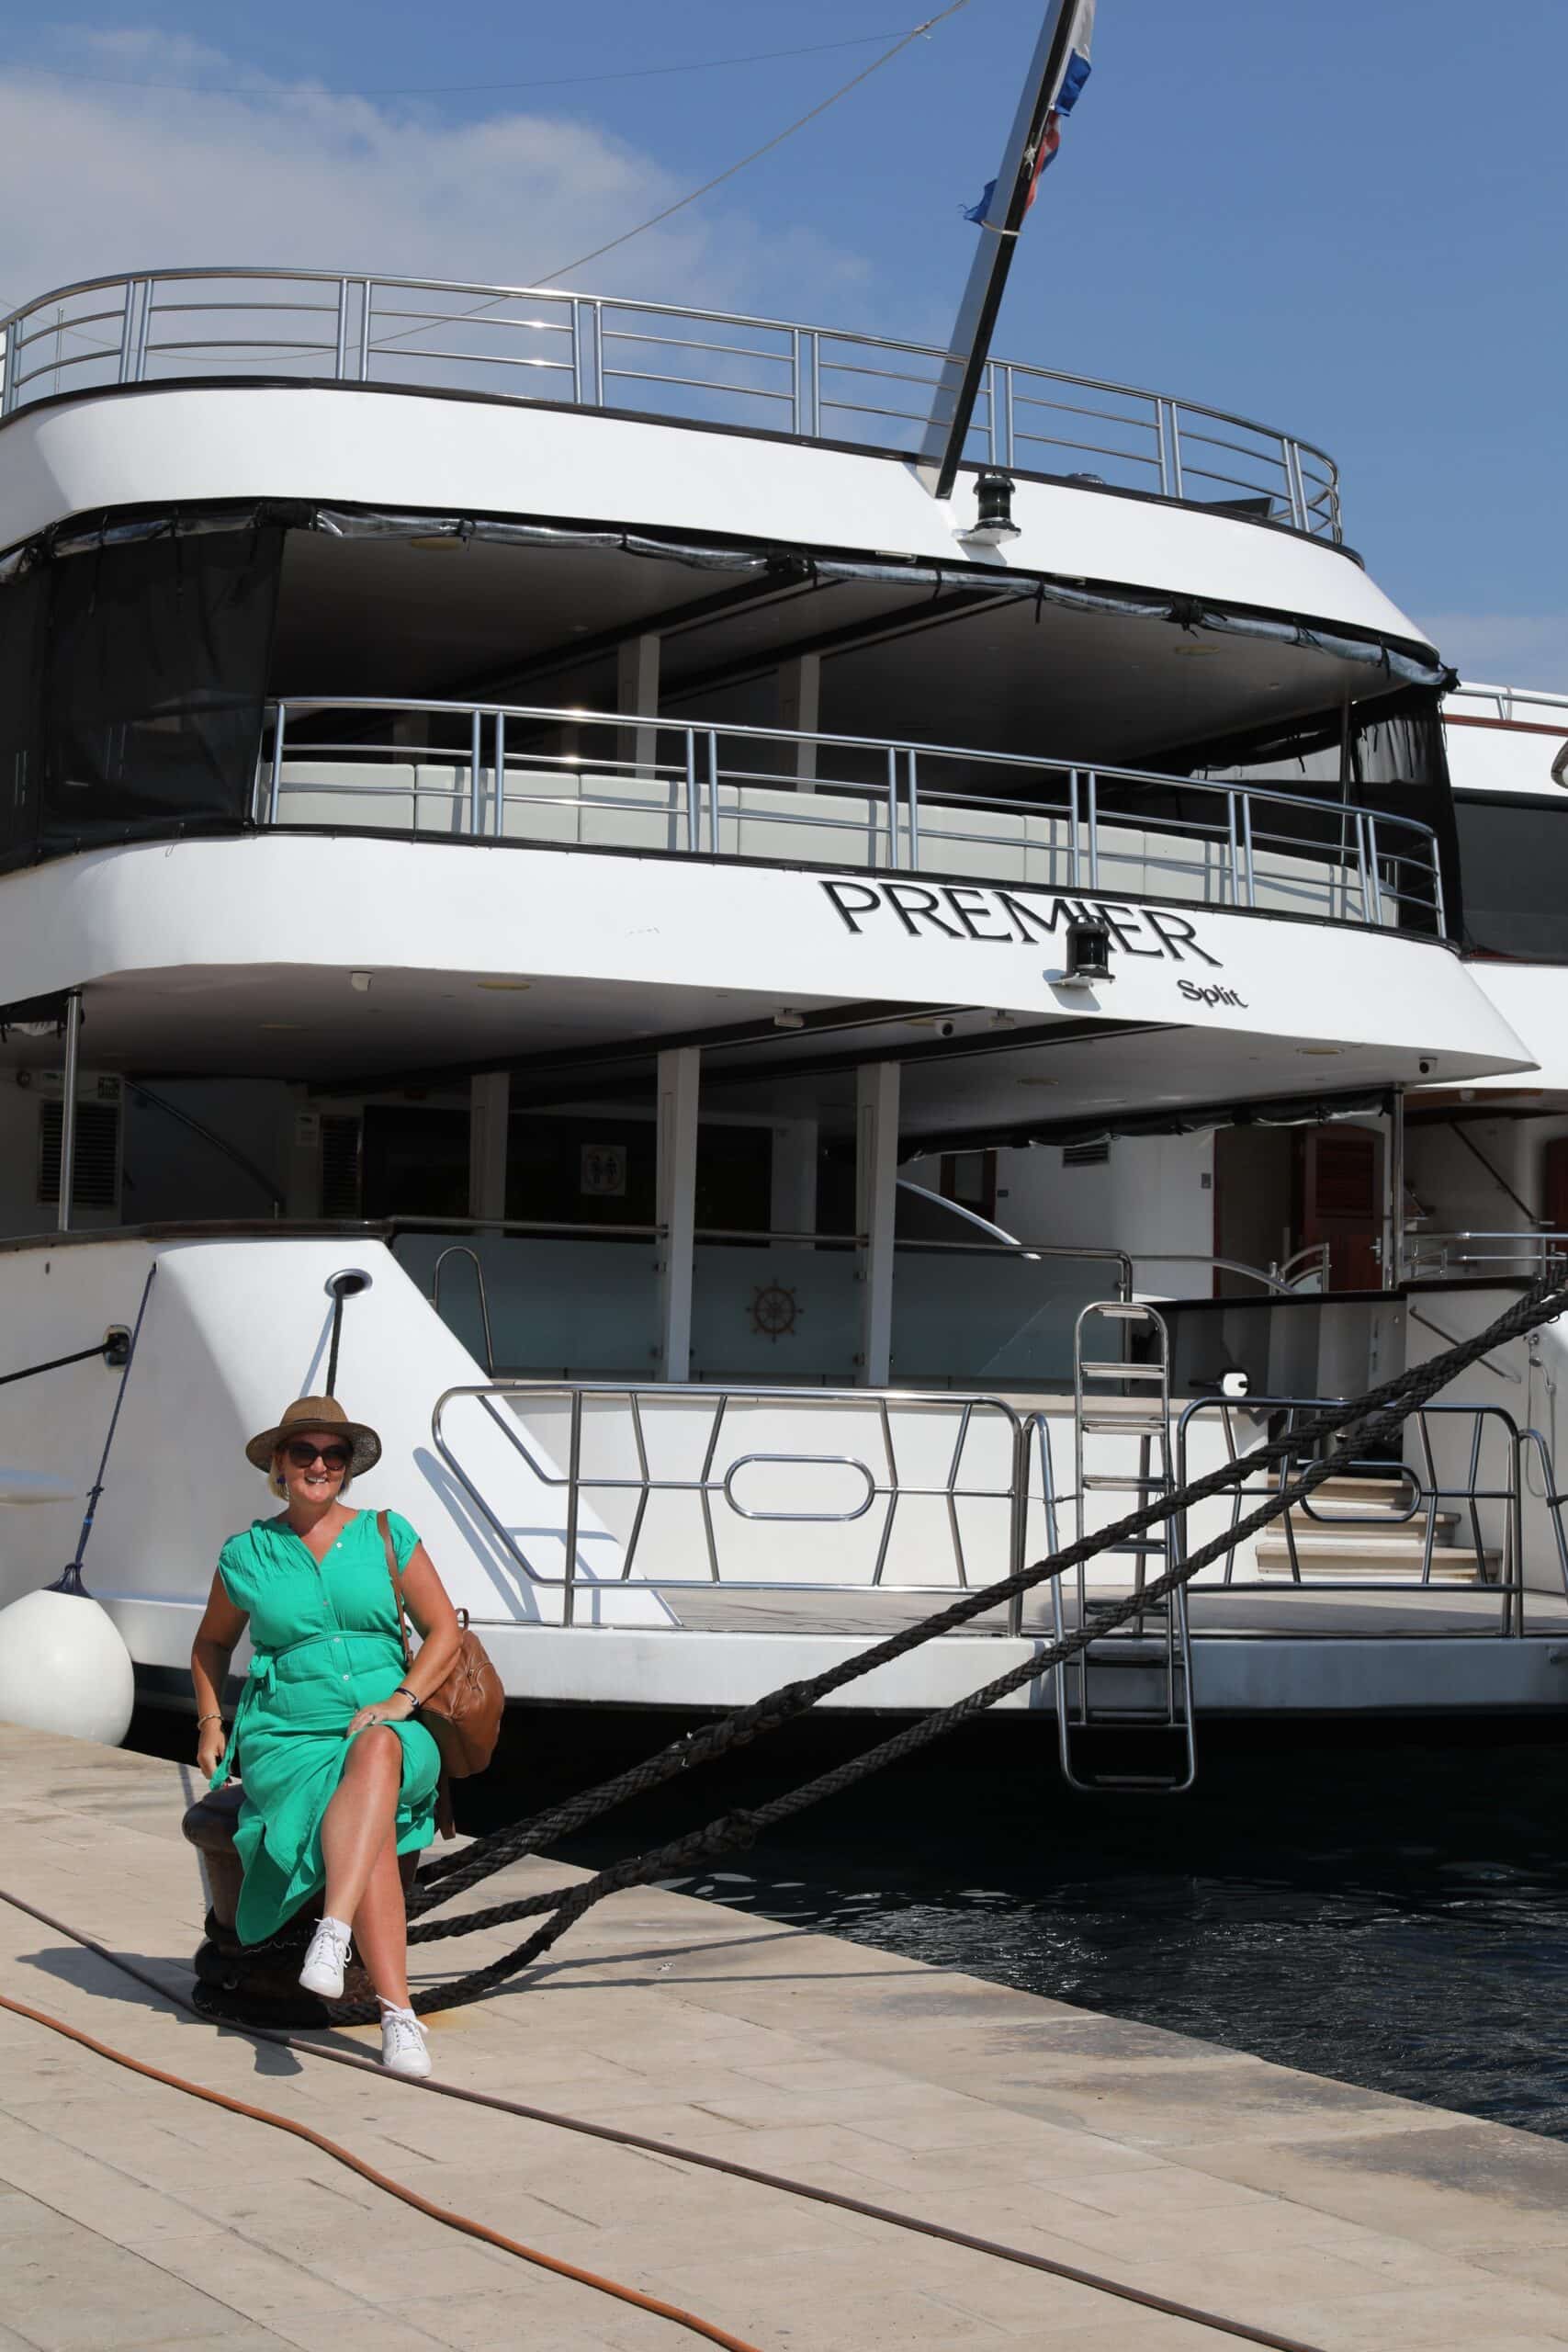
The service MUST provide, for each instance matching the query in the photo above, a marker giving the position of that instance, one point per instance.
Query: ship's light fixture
(509, 988)
(360, 981)
(1088, 956)
(992, 521)
(1319, 1052)
(786, 1017)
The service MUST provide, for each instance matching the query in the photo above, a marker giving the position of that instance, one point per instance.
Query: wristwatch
(402, 1692)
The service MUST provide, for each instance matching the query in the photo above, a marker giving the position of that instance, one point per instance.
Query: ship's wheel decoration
(774, 1310)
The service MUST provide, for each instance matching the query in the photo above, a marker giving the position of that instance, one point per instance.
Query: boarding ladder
(1124, 1701)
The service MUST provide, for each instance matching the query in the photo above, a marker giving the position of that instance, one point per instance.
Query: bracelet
(207, 1719)
(402, 1692)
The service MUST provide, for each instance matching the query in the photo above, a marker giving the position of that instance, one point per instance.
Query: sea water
(1393, 1914)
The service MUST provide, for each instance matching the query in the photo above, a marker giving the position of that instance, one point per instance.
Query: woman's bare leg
(380, 1927)
(358, 1822)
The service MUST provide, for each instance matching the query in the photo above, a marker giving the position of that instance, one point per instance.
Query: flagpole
(969, 347)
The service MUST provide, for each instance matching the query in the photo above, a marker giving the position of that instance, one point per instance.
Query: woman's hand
(210, 1748)
(395, 1710)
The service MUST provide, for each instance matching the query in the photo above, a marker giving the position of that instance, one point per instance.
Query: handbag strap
(381, 1522)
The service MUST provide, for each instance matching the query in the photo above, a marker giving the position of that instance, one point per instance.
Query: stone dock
(132, 2215)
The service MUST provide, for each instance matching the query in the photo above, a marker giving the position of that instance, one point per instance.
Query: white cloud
(292, 175)
(1505, 648)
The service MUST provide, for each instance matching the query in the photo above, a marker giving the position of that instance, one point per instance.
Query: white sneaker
(326, 1959)
(404, 2050)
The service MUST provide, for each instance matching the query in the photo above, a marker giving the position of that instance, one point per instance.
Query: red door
(1342, 1202)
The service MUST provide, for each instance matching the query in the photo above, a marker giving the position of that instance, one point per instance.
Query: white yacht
(550, 881)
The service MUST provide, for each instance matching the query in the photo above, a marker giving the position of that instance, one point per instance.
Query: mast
(1000, 215)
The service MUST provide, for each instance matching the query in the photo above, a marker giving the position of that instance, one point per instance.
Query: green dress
(326, 1643)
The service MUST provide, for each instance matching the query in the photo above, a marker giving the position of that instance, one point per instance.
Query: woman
(340, 1775)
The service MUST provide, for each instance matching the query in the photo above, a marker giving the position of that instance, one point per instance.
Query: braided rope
(1361, 1421)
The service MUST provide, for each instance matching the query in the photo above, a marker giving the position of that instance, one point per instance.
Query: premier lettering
(973, 910)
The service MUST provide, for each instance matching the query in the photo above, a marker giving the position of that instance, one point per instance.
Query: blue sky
(1346, 218)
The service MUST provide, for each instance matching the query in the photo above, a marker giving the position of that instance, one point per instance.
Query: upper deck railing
(655, 359)
(593, 779)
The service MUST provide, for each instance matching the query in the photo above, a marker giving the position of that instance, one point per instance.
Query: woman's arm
(440, 1638)
(216, 1636)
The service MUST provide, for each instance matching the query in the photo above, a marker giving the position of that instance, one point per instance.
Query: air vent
(1086, 1155)
(340, 1166)
(96, 1177)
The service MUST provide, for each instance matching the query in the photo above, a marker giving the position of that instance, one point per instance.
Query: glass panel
(560, 1304)
(784, 1311)
(969, 1320)
(1514, 855)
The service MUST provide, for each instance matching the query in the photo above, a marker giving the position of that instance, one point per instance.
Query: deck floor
(135, 2217)
(1213, 1610)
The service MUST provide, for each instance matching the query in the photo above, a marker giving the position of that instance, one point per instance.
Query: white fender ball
(65, 1668)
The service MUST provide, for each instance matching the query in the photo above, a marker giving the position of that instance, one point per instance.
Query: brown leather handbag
(464, 1714)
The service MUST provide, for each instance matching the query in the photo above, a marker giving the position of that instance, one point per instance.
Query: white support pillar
(876, 1170)
(800, 709)
(490, 1107)
(679, 1076)
(1394, 1193)
(794, 1177)
(637, 689)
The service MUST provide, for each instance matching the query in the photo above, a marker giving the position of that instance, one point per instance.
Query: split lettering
(975, 910)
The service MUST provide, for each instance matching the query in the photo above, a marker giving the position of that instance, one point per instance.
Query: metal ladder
(1128, 1696)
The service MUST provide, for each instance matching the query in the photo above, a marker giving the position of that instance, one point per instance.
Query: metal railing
(1428, 1254)
(882, 1483)
(1498, 1567)
(493, 771)
(1503, 699)
(655, 359)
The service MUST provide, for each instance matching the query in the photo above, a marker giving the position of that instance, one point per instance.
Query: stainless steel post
(274, 794)
(1018, 1525)
(476, 753)
(573, 1465)
(68, 1109)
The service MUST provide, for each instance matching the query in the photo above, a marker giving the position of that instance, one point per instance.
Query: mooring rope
(1360, 1421)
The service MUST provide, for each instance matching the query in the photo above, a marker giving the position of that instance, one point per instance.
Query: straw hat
(317, 1413)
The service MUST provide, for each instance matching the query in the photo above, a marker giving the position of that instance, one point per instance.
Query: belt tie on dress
(263, 1677)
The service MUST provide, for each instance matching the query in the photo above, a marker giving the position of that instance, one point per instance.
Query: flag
(1074, 73)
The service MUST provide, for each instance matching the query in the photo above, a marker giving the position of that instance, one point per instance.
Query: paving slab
(131, 2215)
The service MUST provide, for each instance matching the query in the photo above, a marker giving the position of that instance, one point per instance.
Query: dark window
(340, 1166)
(970, 1179)
(598, 1169)
(95, 1175)
(415, 1162)
(1514, 858)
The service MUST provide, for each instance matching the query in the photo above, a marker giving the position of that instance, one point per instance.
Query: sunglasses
(336, 1457)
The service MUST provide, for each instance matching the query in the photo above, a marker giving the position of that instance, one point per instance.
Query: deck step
(1369, 1552)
